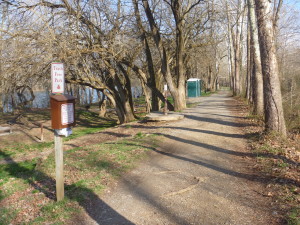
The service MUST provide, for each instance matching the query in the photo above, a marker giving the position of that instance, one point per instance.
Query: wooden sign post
(62, 118)
(59, 167)
(42, 132)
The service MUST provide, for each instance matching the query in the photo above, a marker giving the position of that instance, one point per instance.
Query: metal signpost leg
(59, 168)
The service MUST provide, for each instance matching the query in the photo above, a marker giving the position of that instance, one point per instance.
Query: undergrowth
(278, 160)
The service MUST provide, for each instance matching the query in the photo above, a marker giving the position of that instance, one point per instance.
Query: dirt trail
(199, 174)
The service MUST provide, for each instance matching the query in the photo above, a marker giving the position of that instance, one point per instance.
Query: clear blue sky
(295, 3)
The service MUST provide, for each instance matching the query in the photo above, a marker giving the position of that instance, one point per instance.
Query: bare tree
(257, 85)
(176, 84)
(235, 25)
(274, 117)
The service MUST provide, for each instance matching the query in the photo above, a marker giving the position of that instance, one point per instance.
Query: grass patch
(192, 105)
(206, 94)
(170, 99)
(88, 170)
(81, 131)
(14, 170)
(139, 135)
(139, 101)
(21, 149)
(294, 216)
(6, 215)
(56, 212)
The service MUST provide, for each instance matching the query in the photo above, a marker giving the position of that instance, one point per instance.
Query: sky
(293, 3)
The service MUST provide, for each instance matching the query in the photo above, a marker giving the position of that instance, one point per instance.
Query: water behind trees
(85, 96)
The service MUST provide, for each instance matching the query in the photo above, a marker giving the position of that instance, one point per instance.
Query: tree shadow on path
(230, 152)
(216, 121)
(251, 177)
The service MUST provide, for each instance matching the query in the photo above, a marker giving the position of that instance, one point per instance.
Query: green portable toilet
(193, 87)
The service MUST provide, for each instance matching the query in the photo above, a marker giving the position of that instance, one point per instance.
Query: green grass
(88, 123)
(270, 149)
(170, 99)
(139, 135)
(20, 148)
(81, 131)
(139, 101)
(87, 171)
(56, 213)
(205, 94)
(294, 216)
(192, 105)
(6, 215)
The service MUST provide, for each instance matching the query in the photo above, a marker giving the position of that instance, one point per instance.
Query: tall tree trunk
(237, 52)
(209, 78)
(274, 117)
(258, 100)
(230, 49)
(241, 37)
(1, 102)
(249, 67)
(180, 49)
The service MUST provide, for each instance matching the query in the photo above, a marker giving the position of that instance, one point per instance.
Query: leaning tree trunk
(154, 106)
(122, 97)
(257, 87)
(102, 103)
(274, 118)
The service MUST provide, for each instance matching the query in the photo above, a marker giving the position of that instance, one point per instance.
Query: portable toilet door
(193, 87)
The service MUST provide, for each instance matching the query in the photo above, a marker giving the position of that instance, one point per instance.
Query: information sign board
(165, 87)
(67, 113)
(57, 78)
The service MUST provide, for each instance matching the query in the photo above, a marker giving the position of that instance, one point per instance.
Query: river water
(42, 98)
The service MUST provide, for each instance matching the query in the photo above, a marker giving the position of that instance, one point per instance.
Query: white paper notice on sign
(57, 78)
(165, 87)
(67, 113)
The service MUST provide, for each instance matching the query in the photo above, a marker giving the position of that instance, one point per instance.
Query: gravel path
(199, 174)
